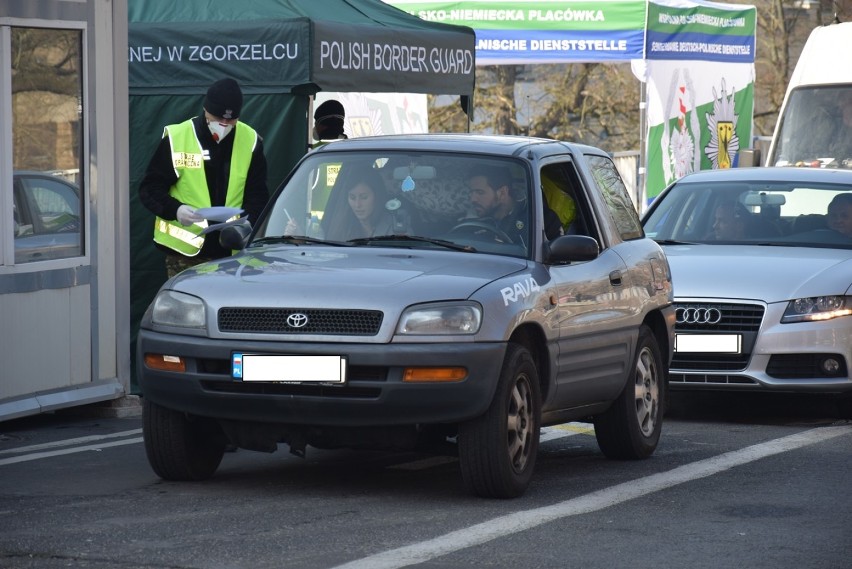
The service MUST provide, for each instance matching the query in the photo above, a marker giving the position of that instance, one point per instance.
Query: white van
(811, 129)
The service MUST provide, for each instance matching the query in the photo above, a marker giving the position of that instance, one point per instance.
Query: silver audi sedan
(761, 264)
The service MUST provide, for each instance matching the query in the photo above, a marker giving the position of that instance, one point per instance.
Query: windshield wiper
(296, 240)
(674, 242)
(416, 238)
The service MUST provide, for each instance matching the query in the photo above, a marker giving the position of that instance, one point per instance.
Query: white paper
(218, 226)
(218, 213)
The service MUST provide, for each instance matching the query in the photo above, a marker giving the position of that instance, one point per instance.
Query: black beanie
(224, 99)
(329, 109)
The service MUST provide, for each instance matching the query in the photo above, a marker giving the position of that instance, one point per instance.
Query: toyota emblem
(297, 320)
(694, 315)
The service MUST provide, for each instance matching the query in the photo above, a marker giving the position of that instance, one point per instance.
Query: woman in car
(365, 214)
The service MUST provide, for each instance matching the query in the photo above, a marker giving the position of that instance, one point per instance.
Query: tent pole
(641, 194)
(310, 118)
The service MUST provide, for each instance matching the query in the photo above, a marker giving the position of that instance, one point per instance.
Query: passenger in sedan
(840, 214)
(729, 222)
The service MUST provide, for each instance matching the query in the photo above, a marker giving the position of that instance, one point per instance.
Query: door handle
(615, 278)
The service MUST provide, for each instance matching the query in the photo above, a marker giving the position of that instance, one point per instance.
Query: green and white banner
(543, 31)
(699, 74)
(699, 114)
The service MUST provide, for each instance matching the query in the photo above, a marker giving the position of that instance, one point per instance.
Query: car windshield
(432, 200)
(772, 213)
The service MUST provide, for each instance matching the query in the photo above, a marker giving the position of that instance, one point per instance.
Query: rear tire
(497, 451)
(180, 447)
(630, 428)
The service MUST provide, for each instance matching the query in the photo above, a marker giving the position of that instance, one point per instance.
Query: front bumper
(781, 357)
(374, 395)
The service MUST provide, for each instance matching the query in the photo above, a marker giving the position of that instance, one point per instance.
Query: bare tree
(598, 103)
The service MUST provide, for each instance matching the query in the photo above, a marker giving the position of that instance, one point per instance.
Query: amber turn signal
(165, 363)
(439, 374)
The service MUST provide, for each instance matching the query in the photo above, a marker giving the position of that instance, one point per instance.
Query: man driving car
(491, 198)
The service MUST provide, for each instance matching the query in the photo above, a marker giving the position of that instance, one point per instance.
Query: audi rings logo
(297, 320)
(692, 315)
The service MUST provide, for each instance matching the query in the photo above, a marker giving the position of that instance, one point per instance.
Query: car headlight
(817, 308)
(173, 308)
(445, 319)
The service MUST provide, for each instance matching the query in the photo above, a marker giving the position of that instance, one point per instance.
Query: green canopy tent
(282, 52)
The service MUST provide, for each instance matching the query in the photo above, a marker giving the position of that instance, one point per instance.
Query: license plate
(709, 343)
(288, 369)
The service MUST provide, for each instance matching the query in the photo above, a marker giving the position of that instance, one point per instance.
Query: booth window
(47, 144)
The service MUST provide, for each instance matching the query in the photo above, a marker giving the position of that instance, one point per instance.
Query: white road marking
(566, 430)
(70, 442)
(522, 521)
(39, 455)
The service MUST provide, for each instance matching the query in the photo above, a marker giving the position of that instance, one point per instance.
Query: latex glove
(186, 215)
(292, 228)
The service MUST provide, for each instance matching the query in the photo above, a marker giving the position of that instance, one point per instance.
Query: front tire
(497, 451)
(180, 447)
(630, 428)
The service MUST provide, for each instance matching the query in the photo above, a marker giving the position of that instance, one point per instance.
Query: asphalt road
(737, 482)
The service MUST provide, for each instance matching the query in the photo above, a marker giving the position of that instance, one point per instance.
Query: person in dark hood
(328, 123)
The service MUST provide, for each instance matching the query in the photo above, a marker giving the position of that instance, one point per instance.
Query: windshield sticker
(521, 290)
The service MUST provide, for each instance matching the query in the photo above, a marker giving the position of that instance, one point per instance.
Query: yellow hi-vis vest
(191, 186)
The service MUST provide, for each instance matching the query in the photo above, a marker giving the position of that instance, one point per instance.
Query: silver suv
(452, 292)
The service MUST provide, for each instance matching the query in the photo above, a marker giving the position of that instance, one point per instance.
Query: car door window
(47, 218)
(616, 196)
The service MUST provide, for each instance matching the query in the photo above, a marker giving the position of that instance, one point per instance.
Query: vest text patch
(186, 160)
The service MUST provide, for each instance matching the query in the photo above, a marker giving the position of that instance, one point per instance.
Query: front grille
(319, 321)
(743, 319)
(735, 318)
(710, 362)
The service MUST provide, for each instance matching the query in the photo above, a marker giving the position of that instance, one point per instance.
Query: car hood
(342, 276)
(770, 274)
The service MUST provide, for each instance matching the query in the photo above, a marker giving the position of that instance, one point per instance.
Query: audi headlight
(817, 308)
(173, 308)
(444, 319)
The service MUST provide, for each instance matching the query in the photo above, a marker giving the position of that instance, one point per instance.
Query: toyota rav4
(497, 285)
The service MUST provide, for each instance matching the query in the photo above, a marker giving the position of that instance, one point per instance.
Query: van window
(816, 128)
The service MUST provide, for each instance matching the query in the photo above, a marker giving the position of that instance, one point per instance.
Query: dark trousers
(175, 263)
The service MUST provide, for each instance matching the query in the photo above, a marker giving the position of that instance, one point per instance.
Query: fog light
(164, 362)
(830, 366)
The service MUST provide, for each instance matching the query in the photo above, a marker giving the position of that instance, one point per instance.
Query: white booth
(64, 254)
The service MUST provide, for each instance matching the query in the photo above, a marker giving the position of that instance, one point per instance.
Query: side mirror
(235, 236)
(570, 248)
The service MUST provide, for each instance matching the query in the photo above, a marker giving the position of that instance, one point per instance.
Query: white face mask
(219, 130)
